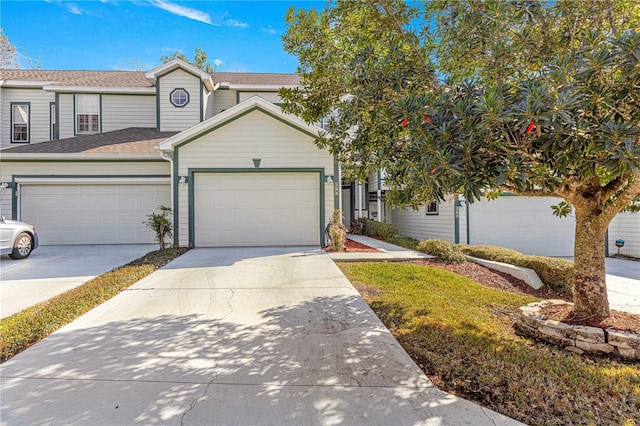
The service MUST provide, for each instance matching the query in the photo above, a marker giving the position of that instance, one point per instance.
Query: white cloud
(217, 62)
(270, 30)
(187, 12)
(234, 23)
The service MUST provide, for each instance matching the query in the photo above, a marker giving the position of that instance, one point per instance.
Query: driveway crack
(225, 340)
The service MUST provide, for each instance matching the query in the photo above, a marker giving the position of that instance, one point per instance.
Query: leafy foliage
(160, 224)
(444, 251)
(8, 54)
(384, 230)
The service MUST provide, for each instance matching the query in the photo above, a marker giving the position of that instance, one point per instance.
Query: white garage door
(256, 209)
(92, 214)
(526, 224)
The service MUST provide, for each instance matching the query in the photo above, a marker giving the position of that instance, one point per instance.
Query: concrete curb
(527, 275)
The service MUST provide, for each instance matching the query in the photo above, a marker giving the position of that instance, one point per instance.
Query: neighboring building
(87, 155)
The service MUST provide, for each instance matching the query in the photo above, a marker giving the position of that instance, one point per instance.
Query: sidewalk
(388, 252)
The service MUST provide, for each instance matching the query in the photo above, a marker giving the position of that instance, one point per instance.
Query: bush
(358, 226)
(406, 242)
(555, 273)
(160, 224)
(442, 250)
(336, 232)
(380, 229)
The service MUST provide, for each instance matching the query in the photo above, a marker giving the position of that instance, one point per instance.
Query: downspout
(456, 221)
(167, 157)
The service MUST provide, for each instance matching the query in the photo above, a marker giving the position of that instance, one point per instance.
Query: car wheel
(23, 246)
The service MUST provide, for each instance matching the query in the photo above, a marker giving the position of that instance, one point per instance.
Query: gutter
(15, 157)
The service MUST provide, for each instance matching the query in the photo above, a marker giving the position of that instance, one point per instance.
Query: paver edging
(527, 275)
(576, 338)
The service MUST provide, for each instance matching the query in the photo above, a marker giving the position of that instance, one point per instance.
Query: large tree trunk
(589, 279)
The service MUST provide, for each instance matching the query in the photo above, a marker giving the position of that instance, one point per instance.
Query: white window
(179, 97)
(20, 123)
(87, 114)
(52, 121)
(432, 208)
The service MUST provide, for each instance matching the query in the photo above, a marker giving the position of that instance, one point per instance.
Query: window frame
(27, 124)
(90, 123)
(53, 120)
(178, 89)
(432, 208)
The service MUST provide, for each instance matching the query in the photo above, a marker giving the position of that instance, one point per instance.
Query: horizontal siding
(5, 203)
(254, 135)
(174, 118)
(417, 224)
(123, 111)
(40, 116)
(207, 104)
(273, 97)
(625, 226)
(65, 112)
(223, 100)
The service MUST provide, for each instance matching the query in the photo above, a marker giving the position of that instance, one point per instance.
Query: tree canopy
(200, 60)
(8, 54)
(473, 97)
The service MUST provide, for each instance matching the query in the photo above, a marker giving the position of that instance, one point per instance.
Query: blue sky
(242, 36)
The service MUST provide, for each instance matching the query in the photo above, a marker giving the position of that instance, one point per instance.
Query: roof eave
(76, 156)
(98, 89)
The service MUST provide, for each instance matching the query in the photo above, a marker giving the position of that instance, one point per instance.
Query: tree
(536, 98)
(200, 60)
(8, 55)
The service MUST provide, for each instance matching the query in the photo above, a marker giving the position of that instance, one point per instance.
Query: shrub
(160, 224)
(406, 242)
(555, 273)
(358, 226)
(380, 229)
(442, 250)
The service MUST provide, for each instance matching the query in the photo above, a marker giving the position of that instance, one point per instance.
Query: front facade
(88, 155)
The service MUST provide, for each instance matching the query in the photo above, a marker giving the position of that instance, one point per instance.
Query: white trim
(254, 101)
(24, 83)
(93, 181)
(163, 69)
(91, 89)
(74, 156)
(257, 87)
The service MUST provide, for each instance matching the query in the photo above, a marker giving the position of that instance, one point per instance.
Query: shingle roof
(134, 140)
(80, 78)
(136, 78)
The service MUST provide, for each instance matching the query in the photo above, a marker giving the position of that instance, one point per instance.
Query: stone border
(577, 338)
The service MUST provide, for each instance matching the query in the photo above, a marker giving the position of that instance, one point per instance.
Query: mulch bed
(353, 247)
(619, 320)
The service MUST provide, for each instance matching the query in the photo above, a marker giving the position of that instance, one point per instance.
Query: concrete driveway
(52, 270)
(623, 284)
(269, 336)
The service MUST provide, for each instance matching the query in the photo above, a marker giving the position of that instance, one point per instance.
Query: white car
(17, 239)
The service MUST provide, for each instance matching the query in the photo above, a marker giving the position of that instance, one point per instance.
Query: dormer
(182, 95)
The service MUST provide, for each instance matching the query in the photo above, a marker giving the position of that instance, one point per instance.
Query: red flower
(532, 125)
(427, 118)
(405, 122)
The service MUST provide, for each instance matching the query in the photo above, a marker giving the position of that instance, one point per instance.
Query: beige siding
(39, 113)
(236, 144)
(625, 226)
(174, 118)
(207, 104)
(10, 169)
(123, 111)
(222, 100)
(273, 97)
(419, 225)
(65, 113)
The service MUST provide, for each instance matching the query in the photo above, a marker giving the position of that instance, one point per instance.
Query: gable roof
(175, 64)
(134, 140)
(245, 107)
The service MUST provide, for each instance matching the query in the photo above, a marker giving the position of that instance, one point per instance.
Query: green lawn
(461, 334)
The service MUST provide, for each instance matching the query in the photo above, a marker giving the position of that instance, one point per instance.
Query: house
(87, 155)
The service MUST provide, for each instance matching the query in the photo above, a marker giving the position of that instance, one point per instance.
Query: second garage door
(256, 209)
(92, 213)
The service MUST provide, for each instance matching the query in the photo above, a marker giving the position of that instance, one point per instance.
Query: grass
(461, 334)
(23, 329)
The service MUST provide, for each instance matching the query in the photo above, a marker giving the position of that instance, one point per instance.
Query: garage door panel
(92, 214)
(256, 209)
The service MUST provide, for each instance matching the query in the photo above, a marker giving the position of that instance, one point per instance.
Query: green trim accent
(157, 105)
(74, 115)
(456, 221)
(11, 105)
(175, 90)
(236, 117)
(57, 135)
(468, 225)
(3, 160)
(191, 195)
(176, 199)
(337, 184)
(237, 97)
(201, 101)
(606, 243)
(100, 118)
(14, 199)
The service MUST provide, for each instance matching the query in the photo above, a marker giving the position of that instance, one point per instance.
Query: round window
(179, 97)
